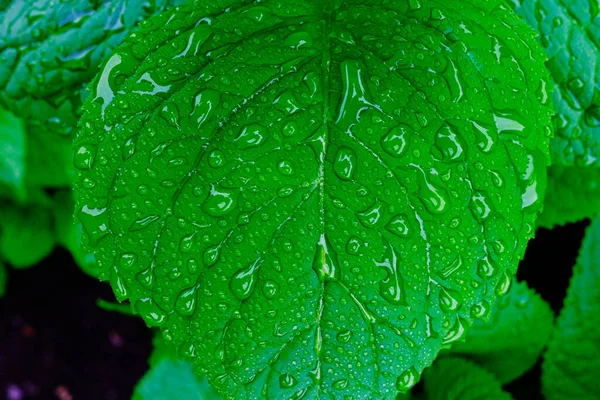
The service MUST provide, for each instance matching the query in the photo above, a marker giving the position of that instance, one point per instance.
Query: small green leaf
(26, 235)
(453, 378)
(510, 343)
(171, 378)
(309, 197)
(571, 364)
(569, 30)
(121, 308)
(573, 194)
(12, 153)
(3, 279)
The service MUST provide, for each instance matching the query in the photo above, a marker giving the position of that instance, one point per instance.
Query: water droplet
(533, 182)
(152, 314)
(432, 197)
(211, 255)
(243, 282)
(298, 39)
(479, 206)
(186, 302)
(456, 332)
(287, 103)
(143, 223)
(270, 289)
(145, 278)
(485, 269)
(394, 142)
(504, 284)
(399, 225)
(370, 217)
(486, 139)
(344, 336)
(287, 381)
(285, 191)
(480, 310)
(355, 97)
(345, 163)
(84, 156)
(450, 300)
(252, 135)
(216, 158)
(340, 384)
(94, 222)
(508, 123)
(219, 202)
(205, 105)
(353, 245)
(451, 268)
(450, 144)
(118, 286)
(104, 88)
(290, 129)
(285, 168)
(325, 263)
(186, 243)
(407, 380)
(127, 261)
(170, 113)
(391, 287)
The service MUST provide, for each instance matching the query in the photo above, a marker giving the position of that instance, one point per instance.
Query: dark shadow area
(55, 343)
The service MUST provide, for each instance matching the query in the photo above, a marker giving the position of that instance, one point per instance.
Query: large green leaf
(171, 378)
(570, 33)
(571, 364)
(312, 198)
(511, 342)
(49, 50)
(12, 153)
(458, 379)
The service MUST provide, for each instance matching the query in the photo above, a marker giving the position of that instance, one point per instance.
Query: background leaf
(310, 209)
(570, 33)
(510, 343)
(452, 378)
(171, 378)
(12, 150)
(571, 364)
(26, 234)
(573, 194)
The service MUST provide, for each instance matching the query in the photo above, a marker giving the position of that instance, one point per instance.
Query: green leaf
(68, 233)
(571, 363)
(458, 379)
(573, 194)
(313, 198)
(3, 279)
(171, 378)
(26, 235)
(511, 342)
(50, 50)
(570, 33)
(12, 150)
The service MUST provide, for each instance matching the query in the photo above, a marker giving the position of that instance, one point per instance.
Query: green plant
(312, 198)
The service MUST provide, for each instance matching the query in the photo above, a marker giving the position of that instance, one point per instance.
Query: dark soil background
(56, 343)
